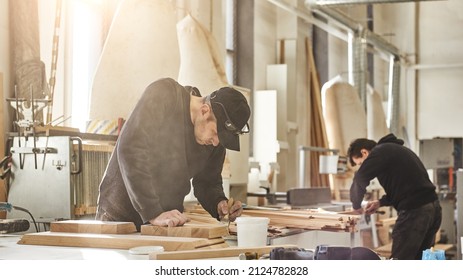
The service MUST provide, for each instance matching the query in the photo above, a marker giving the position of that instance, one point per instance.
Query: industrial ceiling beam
(308, 17)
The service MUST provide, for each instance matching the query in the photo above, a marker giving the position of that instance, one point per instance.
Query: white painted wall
(5, 55)
(439, 99)
(4, 38)
(264, 41)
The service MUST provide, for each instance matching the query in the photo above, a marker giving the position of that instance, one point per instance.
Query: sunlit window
(86, 49)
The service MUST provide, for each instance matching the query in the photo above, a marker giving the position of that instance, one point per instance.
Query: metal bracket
(32, 150)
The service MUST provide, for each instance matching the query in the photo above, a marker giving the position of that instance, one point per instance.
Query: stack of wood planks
(308, 219)
(201, 237)
(187, 230)
(212, 232)
(90, 226)
(311, 219)
(113, 241)
(317, 132)
(123, 235)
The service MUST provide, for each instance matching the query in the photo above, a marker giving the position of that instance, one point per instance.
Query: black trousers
(415, 231)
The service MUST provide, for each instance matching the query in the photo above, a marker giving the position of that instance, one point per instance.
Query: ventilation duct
(358, 38)
(358, 63)
(357, 58)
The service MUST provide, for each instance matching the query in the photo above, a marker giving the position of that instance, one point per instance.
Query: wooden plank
(212, 243)
(213, 253)
(198, 216)
(329, 221)
(311, 219)
(216, 246)
(384, 251)
(114, 241)
(187, 230)
(91, 226)
(317, 129)
(301, 214)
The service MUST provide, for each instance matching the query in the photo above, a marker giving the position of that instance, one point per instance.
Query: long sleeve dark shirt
(157, 158)
(399, 171)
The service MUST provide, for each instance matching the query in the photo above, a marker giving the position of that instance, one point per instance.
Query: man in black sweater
(174, 139)
(408, 189)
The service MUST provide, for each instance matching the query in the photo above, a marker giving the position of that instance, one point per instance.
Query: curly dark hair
(356, 147)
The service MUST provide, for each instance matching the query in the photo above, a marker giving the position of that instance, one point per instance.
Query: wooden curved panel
(201, 65)
(376, 119)
(141, 47)
(344, 116)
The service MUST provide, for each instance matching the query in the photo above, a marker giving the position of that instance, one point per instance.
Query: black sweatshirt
(399, 171)
(155, 158)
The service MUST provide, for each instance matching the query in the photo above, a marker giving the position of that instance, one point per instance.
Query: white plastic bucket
(252, 231)
(328, 164)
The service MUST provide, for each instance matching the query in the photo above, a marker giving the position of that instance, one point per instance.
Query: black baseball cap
(232, 112)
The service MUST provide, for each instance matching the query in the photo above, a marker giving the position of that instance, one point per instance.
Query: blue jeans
(415, 231)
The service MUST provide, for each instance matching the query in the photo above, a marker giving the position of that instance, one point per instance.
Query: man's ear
(364, 152)
(205, 109)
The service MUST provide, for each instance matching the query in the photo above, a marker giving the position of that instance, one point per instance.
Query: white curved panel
(201, 65)
(141, 47)
(376, 118)
(345, 117)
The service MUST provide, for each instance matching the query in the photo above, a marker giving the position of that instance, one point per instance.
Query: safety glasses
(229, 125)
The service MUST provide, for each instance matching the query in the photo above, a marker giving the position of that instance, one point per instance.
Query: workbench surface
(11, 250)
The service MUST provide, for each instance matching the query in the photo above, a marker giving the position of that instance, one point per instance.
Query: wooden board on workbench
(91, 226)
(214, 253)
(200, 217)
(187, 230)
(116, 241)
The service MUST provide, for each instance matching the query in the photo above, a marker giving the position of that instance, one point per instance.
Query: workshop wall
(5, 54)
(440, 46)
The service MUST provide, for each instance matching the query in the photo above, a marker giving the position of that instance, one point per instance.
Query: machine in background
(56, 177)
(53, 172)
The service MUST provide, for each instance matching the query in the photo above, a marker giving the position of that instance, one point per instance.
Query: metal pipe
(434, 66)
(359, 2)
(310, 19)
(352, 26)
(378, 41)
(358, 64)
(393, 93)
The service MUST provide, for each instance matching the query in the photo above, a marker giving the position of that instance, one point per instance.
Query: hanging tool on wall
(26, 123)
